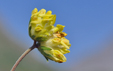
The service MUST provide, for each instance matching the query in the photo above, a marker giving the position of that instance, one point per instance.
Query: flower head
(53, 44)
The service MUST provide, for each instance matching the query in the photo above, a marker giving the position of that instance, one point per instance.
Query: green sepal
(46, 58)
(30, 31)
(29, 20)
(38, 38)
(30, 28)
(42, 49)
(45, 48)
(33, 36)
(41, 39)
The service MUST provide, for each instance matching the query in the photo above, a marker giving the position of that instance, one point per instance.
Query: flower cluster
(53, 44)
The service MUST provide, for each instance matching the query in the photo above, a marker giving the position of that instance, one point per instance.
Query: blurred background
(89, 25)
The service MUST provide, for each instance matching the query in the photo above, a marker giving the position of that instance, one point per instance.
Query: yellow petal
(49, 12)
(60, 27)
(64, 45)
(37, 29)
(56, 40)
(57, 54)
(42, 12)
(35, 11)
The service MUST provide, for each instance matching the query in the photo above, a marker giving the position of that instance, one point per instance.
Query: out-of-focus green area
(10, 52)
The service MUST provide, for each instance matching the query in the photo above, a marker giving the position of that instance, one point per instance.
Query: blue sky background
(88, 23)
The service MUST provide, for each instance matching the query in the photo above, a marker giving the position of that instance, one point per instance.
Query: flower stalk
(23, 55)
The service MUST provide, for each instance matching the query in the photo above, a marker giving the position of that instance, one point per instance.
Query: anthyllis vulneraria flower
(53, 44)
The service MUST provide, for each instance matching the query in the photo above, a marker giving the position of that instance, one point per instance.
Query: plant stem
(23, 55)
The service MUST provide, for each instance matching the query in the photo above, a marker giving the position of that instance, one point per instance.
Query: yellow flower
(53, 44)
(58, 45)
(51, 54)
(41, 24)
